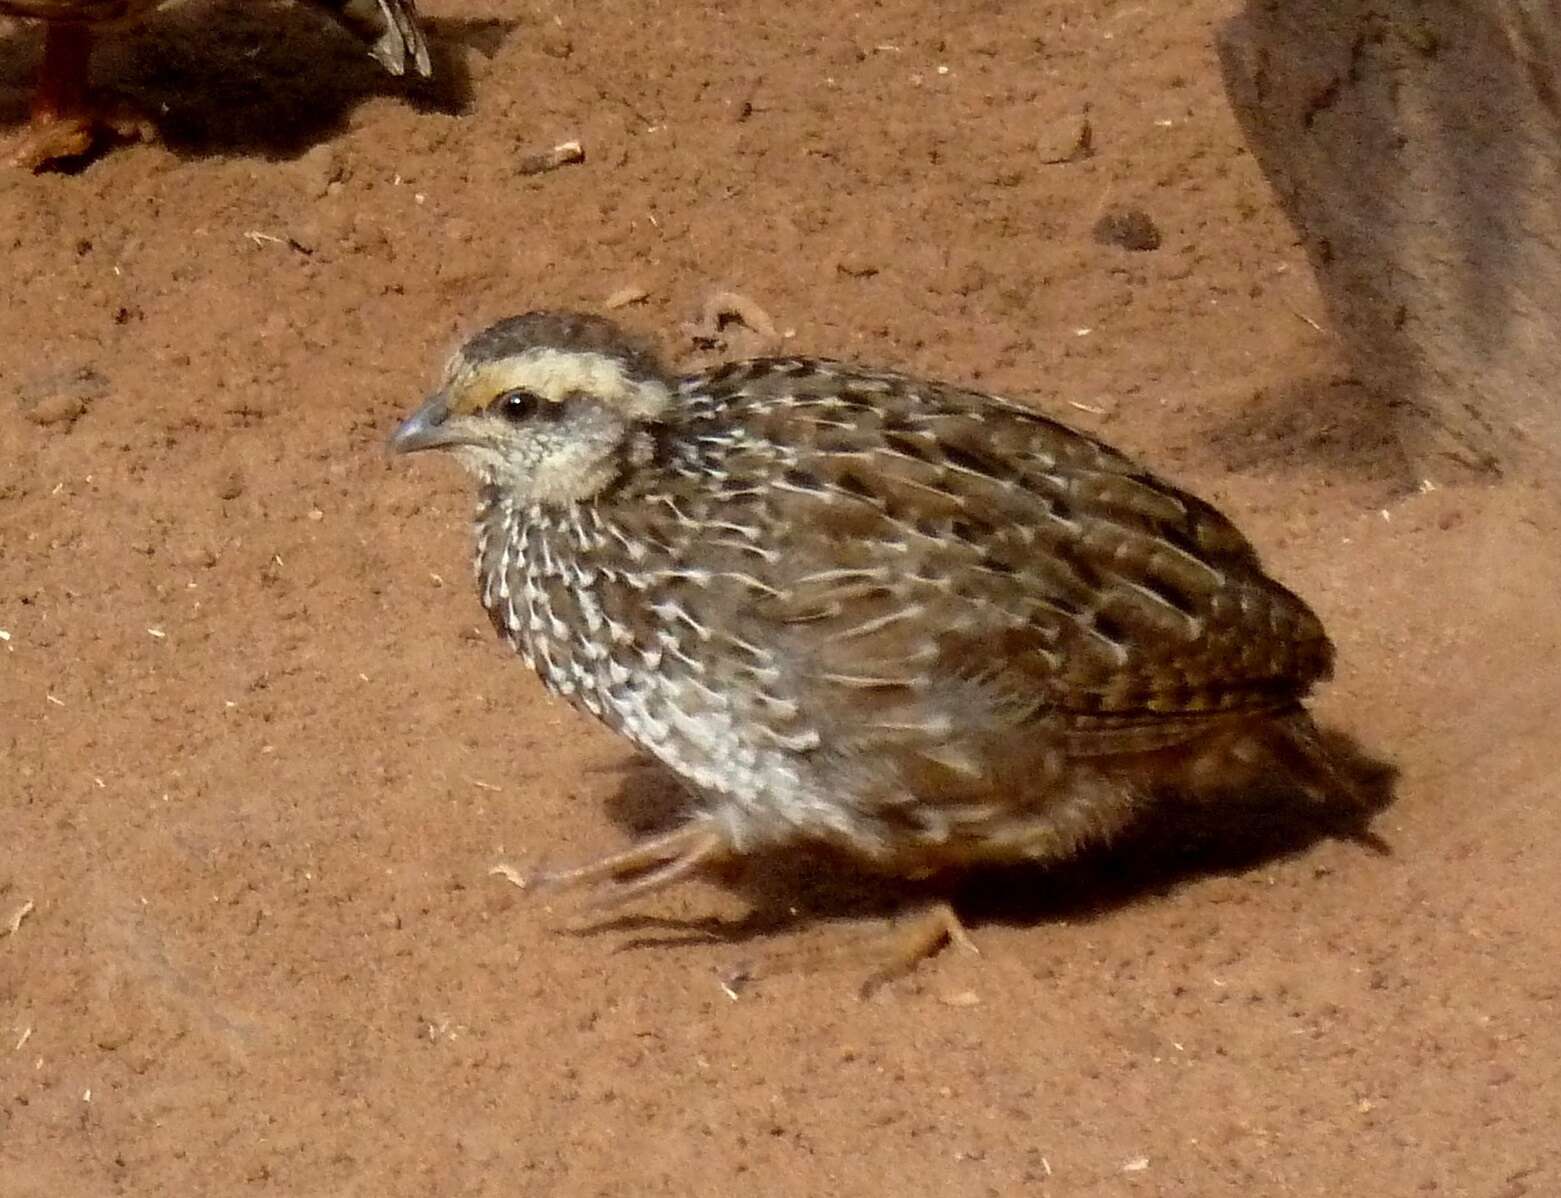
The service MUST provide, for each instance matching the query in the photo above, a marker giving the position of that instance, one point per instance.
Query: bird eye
(516, 405)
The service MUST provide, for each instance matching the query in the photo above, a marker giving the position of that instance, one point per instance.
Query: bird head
(550, 406)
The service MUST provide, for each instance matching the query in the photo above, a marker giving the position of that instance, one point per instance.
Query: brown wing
(953, 564)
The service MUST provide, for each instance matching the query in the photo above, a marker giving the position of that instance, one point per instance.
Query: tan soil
(259, 750)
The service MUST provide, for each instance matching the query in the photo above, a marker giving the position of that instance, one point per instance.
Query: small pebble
(61, 399)
(1066, 139)
(1129, 229)
(625, 296)
(319, 168)
(554, 43)
(856, 264)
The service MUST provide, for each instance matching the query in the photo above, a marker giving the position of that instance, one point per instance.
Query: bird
(901, 621)
(66, 121)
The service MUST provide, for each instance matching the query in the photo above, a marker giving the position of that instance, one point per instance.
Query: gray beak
(424, 428)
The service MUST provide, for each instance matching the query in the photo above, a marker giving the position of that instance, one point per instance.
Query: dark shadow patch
(20, 52)
(1174, 843)
(261, 81)
(1333, 424)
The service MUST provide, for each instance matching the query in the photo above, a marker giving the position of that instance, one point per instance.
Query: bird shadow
(269, 82)
(1316, 422)
(1174, 843)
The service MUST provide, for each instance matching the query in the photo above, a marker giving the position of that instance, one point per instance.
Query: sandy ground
(259, 750)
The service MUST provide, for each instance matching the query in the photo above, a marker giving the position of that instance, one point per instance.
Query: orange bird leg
(65, 121)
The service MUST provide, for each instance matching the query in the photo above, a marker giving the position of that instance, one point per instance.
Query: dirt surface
(260, 750)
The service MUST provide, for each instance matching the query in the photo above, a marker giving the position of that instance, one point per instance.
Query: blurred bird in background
(67, 121)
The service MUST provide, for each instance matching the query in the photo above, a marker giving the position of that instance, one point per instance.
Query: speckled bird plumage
(923, 625)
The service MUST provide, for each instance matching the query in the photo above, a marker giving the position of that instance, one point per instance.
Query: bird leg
(65, 120)
(647, 866)
(889, 953)
(658, 861)
(916, 938)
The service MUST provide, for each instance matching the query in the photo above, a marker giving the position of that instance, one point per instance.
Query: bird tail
(1294, 743)
(391, 29)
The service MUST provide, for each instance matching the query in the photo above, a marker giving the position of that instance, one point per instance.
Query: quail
(921, 626)
(65, 120)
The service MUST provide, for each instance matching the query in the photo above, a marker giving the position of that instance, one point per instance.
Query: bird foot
(890, 953)
(53, 137)
(916, 938)
(640, 869)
